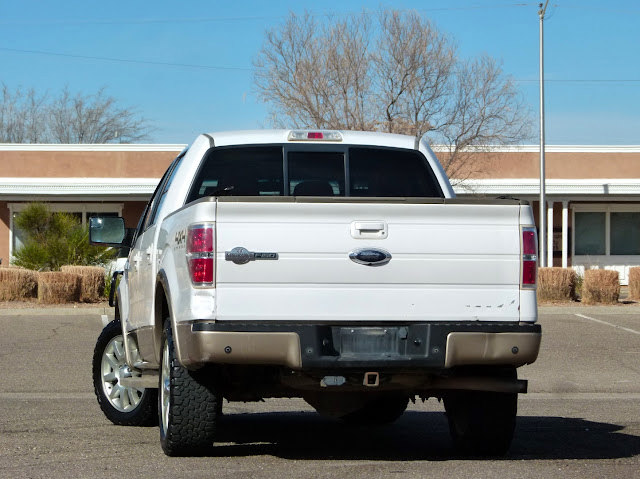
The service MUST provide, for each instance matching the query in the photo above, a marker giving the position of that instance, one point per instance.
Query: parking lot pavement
(587, 350)
(580, 419)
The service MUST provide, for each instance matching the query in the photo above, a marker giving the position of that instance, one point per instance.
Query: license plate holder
(369, 341)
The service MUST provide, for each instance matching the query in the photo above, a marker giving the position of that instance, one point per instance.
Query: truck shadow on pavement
(415, 436)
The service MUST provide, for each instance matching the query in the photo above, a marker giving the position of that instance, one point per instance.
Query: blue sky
(187, 66)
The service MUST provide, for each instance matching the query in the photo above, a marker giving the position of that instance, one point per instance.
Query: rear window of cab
(340, 171)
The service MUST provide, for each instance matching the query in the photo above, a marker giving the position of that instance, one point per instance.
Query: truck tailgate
(449, 262)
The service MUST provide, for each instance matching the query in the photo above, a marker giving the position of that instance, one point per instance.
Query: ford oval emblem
(370, 256)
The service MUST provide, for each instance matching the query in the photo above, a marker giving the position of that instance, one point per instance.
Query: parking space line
(629, 330)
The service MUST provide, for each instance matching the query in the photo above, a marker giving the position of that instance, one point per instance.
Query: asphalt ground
(580, 419)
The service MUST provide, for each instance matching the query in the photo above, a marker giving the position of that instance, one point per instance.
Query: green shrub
(55, 239)
(579, 283)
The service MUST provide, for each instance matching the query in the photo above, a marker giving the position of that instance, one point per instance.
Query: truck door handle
(369, 229)
(136, 261)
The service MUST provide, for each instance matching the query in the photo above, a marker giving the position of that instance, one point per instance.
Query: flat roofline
(109, 147)
(177, 147)
(109, 187)
(547, 149)
(98, 187)
(554, 186)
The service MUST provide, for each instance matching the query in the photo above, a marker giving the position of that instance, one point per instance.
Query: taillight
(529, 255)
(200, 254)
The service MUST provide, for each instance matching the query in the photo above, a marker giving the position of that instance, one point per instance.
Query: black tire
(187, 407)
(124, 406)
(381, 410)
(481, 423)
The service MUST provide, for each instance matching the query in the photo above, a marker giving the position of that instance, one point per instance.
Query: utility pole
(542, 240)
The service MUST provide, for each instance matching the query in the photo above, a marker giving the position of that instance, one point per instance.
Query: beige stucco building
(592, 192)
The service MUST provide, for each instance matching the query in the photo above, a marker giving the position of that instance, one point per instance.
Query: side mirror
(108, 231)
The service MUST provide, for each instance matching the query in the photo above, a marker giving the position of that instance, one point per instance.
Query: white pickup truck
(329, 265)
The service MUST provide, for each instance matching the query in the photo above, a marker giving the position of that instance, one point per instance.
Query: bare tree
(317, 74)
(415, 63)
(26, 117)
(22, 116)
(395, 72)
(93, 118)
(485, 110)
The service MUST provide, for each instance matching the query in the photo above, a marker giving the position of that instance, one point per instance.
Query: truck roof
(243, 137)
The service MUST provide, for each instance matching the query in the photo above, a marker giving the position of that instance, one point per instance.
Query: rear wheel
(188, 404)
(481, 423)
(122, 405)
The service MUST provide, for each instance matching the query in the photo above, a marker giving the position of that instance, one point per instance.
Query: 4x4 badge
(240, 255)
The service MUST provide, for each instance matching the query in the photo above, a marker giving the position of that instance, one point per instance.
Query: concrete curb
(633, 308)
(104, 309)
(58, 311)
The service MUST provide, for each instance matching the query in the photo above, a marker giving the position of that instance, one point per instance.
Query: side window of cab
(160, 193)
(150, 212)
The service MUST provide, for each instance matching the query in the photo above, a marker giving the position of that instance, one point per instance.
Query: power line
(583, 80)
(148, 21)
(231, 68)
(151, 21)
(601, 9)
(123, 60)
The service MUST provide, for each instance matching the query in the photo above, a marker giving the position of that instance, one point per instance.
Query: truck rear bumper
(434, 346)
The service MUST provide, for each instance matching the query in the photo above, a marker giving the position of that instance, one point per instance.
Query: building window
(18, 236)
(625, 233)
(606, 230)
(82, 211)
(590, 228)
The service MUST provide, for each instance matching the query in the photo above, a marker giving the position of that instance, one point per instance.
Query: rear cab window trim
(287, 148)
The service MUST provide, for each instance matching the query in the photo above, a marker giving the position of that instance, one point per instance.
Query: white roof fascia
(109, 187)
(280, 135)
(95, 187)
(91, 147)
(547, 149)
(566, 187)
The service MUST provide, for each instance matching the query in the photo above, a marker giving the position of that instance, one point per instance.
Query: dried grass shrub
(57, 287)
(17, 284)
(600, 286)
(634, 283)
(557, 284)
(92, 282)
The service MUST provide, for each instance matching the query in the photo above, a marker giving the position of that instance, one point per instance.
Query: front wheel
(122, 405)
(188, 404)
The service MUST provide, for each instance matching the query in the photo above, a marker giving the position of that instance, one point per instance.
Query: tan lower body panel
(515, 349)
(283, 348)
(278, 348)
